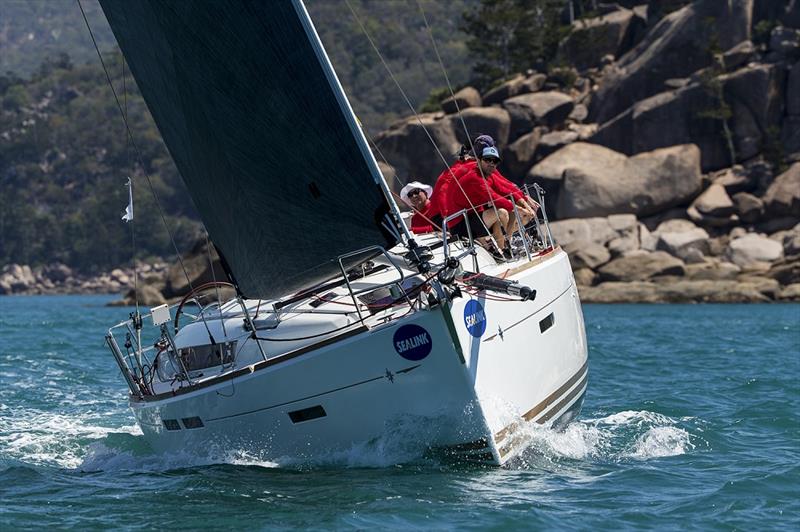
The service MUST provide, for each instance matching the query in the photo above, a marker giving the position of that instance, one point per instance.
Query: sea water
(691, 420)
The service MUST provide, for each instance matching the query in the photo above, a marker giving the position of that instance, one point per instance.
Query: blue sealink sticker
(475, 318)
(412, 342)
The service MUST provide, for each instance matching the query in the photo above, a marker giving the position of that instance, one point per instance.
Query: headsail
(260, 132)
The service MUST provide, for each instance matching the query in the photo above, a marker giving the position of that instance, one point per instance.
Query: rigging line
(458, 108)
(141, 159)
(216, 286)
(448, 168)
(130, 168)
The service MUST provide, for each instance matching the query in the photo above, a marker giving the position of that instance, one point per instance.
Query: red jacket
(479, 193)
(421, 222)
(441, 190)
(504, 187)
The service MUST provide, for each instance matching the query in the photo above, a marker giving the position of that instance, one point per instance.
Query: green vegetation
(64, 152)
(398, 29)
(508, 36)
(64, 160)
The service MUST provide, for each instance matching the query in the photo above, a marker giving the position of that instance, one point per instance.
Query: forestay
(260, 131)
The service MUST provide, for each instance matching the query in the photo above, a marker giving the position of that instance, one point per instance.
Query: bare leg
(512, 226)
(496, 225)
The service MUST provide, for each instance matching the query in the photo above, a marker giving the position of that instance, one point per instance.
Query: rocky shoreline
(669, 153)
(642, 271)
(670, 157)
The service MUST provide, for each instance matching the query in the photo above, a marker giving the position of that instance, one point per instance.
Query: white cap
(414, 185)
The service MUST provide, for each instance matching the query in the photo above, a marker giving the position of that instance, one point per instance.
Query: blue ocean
(691, 421)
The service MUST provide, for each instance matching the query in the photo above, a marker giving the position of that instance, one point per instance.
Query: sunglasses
(414, 192)
(492, 160)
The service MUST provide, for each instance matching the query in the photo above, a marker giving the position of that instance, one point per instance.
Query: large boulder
(493, 121)
(575, 233)
(641, 266)
(749, 208)
(628, 235)
(753, 93)
(17, 278)
(408, 149)
(786, 271)
(549, 173)
(783, 196)
(57, 272)
(714, 201)
(644, 184)
(463, 99)
(146, 295)
(549, 108)
(683, 244)
(738, 56)
(684, 291)
(518, 156)
(592, 38)
(753, 251)
(554, 141)
(519, 84)
(505, 90)
(194, 271)
(676, 47)
(590, 256)
(712, 270)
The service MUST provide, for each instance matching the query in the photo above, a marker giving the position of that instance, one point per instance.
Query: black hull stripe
(547, 401)
(252, 368)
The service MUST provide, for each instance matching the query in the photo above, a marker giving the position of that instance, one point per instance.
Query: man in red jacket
(448, 178)
(475, 190)
(526, 206)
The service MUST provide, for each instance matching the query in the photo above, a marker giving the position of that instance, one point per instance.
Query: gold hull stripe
(546, 402)
(576, 392)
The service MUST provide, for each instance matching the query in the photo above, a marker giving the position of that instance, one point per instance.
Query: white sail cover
(260, 131)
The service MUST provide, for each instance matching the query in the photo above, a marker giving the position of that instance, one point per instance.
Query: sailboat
(342, 323)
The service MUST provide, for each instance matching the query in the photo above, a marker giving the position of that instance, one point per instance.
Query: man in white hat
(426, 216)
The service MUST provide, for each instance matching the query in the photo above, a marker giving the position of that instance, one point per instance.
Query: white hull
(355, 388)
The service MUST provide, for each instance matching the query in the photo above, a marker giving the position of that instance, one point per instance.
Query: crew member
(426, 217)
(475, 190)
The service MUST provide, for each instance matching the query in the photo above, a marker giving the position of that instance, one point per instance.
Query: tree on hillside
(507, 36)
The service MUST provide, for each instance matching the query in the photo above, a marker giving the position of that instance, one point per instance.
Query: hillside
(32, 32)
(63, 151)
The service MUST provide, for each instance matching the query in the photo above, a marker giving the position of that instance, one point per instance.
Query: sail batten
(260, 133)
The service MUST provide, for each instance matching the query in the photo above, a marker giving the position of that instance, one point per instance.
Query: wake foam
(627, 435)
(53, 439)
(84, 443)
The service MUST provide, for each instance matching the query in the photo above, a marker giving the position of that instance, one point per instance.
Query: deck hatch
(547, 322)
(171, 424)
(192, 422)
(307, 414)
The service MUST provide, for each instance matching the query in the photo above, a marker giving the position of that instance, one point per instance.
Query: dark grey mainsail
(260, 132)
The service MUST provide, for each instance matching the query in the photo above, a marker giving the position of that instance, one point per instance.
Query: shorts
(475, 224)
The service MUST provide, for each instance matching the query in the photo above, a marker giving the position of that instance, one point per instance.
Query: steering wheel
(195, 295)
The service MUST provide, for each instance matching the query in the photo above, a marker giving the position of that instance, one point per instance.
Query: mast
(350, 116)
